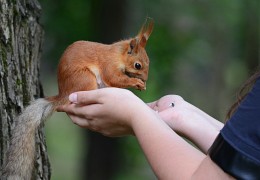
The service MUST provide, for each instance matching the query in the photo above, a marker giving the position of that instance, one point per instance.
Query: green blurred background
(201, 50)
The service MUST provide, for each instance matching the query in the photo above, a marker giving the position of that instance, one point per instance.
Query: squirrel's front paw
(139, 84)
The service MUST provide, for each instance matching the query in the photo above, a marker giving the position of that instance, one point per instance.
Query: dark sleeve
(242, 131)
(236, 150)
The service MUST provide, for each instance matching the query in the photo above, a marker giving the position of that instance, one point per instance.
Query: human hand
(173, 109)
(109, 111)
(187, 120)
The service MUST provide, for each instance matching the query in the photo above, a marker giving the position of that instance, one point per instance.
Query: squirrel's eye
(138, 66)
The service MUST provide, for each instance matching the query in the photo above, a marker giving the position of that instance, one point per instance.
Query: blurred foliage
(201, 50)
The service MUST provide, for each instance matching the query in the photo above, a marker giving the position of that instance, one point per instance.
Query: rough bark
(21, 38)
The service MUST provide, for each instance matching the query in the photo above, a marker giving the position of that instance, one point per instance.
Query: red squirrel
(83, 66)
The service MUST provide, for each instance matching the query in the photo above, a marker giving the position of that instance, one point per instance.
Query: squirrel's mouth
(134, 75)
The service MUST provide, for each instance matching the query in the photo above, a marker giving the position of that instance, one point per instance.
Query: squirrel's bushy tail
(21, 153)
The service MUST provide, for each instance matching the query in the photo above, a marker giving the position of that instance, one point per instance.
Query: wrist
(195, 125)
(202, 133)
(143, 113)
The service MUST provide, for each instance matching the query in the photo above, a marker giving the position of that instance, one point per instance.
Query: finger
(62, 108)
(152, 104)
(86, 97)
(84, 111)
(68, 108)
(82, 122)
(74, 109)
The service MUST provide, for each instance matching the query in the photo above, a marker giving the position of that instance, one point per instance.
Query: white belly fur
(100, 83)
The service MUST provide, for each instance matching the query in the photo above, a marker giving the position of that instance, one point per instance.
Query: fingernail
(73, 97)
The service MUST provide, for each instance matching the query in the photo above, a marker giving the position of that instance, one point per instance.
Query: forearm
(187, 120)
(169, 155)
(201, 129)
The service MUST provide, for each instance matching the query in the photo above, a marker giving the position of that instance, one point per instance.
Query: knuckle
(74, 120)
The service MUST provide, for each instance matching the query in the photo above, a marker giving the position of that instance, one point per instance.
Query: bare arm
(169, 155)
(187, 120)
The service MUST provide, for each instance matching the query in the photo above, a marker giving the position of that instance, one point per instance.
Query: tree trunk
(20, 47)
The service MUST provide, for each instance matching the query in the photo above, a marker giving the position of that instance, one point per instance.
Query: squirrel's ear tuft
(132, 48)
(145, 31)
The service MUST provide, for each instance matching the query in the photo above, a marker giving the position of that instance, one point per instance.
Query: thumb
(73, 98)
(85, 97)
